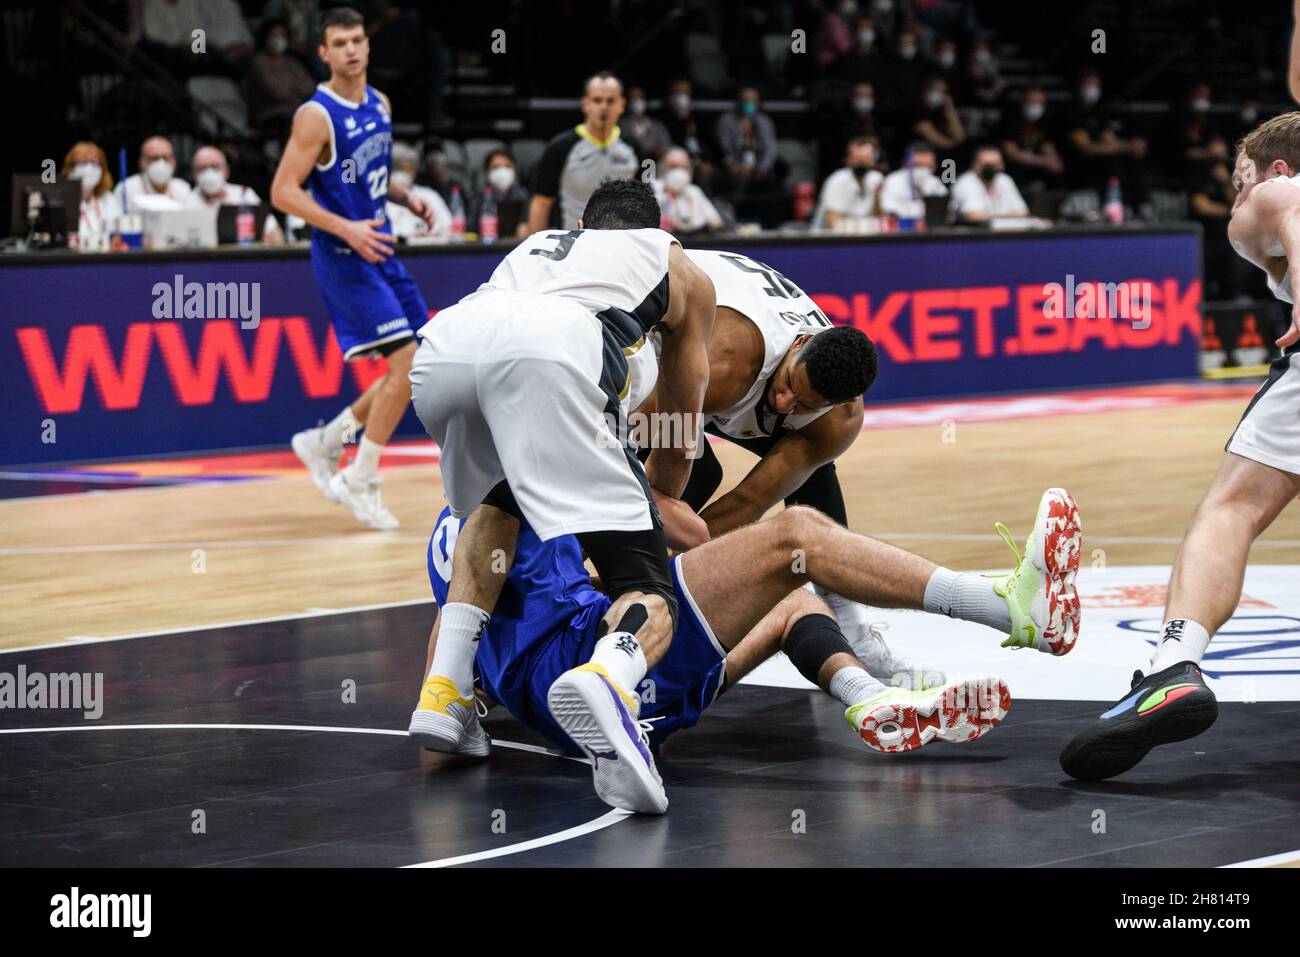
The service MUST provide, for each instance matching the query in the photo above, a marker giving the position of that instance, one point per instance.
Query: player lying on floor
(543, 653)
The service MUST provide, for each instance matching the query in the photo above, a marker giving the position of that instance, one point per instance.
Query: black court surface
(282, 744)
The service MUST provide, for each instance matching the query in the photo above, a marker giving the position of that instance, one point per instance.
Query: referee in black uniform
(578, 160)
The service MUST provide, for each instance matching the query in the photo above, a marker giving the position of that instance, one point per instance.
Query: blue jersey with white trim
(354, 183)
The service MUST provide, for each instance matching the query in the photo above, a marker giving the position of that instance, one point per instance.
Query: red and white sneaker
(1040, 592)
(899, 719)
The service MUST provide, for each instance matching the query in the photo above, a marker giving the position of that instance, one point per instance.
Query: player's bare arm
(683, 368)
(1265, 229)
(784, 469)
(309, 144)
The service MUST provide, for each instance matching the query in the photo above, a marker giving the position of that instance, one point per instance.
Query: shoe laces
(646, 725)
(1000, 582)
(480, 708)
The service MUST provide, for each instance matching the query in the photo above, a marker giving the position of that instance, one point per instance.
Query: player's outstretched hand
(367, 241)
(1292, 335)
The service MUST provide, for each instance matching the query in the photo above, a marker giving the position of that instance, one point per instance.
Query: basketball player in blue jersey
(739, 589)
(340, 147)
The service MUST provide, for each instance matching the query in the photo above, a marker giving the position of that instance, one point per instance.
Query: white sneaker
(322, 464)
(444, 721)
(602, 720)
(364, 499)
(868, 644)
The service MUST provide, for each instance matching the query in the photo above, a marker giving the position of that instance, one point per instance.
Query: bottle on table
(1114, 208)
(457, 206)
(487, 220)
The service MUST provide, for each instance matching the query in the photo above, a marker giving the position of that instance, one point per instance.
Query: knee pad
(632, 561)
(813, 640)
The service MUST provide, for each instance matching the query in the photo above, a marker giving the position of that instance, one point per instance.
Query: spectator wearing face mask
(407, 225)
(866, 62)
(686, 130)
(86, 164)
(644, 130)
(909, 69)
(212, 188)
(903, 191)
(684, 206)
(937, 122)
(747, 140)
(501, 181)
(834, 38)
(1028, 139)
(946, 63)
(1198, 134)
(156, 185)
(277, 82)
(850, 193)
(985, 191)
(1102, 147)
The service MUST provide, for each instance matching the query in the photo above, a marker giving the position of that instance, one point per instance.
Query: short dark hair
(340, 17)
(841, 363)
(499, 151)
(622, 204)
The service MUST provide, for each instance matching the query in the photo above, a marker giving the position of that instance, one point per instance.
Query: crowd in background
(907, 99)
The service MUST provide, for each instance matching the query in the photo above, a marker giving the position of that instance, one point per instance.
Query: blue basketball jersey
(354, 183)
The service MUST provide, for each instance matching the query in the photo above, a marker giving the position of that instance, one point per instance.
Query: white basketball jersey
(782, 312)
(621, 275)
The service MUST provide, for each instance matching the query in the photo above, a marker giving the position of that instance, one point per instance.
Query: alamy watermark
(54, 691)
(653, 430)
(208, 300)
(1116, 300)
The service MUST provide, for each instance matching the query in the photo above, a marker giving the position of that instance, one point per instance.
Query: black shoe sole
(1109, 748)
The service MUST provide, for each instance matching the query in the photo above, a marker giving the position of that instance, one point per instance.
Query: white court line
(1288, 857)
(318, 613)
(599, 824)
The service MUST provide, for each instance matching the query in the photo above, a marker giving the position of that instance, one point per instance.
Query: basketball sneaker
(1040, 591)
(364, 498)
(447, 722)
(322, 464)
(899, 719)
(1170, 705)
(601, 719)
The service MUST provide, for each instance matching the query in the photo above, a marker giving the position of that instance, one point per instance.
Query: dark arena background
(204, 664)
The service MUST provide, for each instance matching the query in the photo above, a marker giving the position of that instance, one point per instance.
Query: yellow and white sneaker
(1040, 592)
(447, 722)
(601, 719)
(899, 719)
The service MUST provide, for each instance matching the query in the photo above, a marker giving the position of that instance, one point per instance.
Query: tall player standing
(341, 147)
(1259, 476)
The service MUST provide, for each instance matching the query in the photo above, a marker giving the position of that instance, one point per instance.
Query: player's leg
(444, 718)
(1172, 702)
(744, 573)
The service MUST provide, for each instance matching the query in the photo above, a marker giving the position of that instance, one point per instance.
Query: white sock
(459, 629)
(366, 464)
(620, 654)
(1181, 639)
(967, 596)
(342, 429)
(852, 685)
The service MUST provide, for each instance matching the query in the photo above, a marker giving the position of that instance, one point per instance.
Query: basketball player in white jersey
(521, 384)
(1259, 476)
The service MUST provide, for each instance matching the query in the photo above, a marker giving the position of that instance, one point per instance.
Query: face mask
(983, 57)
(677, 179)
(860, 170)
(277, 44)
(866, 37)
(849, 9)
(89, 174)
(863, 104)
(1090, 94)
(501, 177)
(1201, 106)
(947, 58)
(748, 108)
(402, 178)
(934, 99)
(211, 181)
(1249, 115)
(988, 173)
(1033, 112)
(159, 172)
(884, 6)
(637, 107)
(907, 53)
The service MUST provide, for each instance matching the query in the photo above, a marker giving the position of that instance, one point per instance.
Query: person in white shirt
(406, 224)
(850, 193)
(903, 191)
(155, 186)
(86, 164)
(212, 187)
(985, 191)
(684, 206)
